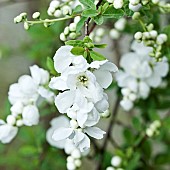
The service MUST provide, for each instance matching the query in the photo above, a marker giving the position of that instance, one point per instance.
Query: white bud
(132, 97)
(19, 123)
(76, 154)
(26, 26)
(150, 27)
(116, 161)
(110, 168)
(134, 2)
(11, 120)
(71, 166)
(120, 24)
(125, 91)
(78, 163)
(138, 35)
(17, 108)
(23, 15)
(77, 19)
(135, 8)
(100, 32)
(50, 11)
(72, 26)
(66, 10)
(72, 35)
(136, 15)
(18, 19)
(157, 123)
(149, 132)
(155, 1)
(57, 13)
(70, 159)
(66, 30)
(106, 113)
(153, 34)
(118, 4)
(36, 15)
(146, 35)
(62, 37)
(74, 124)
(164, 37)
(55, 4)
(114, 34)
(160, 39)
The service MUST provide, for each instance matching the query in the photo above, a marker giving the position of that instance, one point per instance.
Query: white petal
(61, 121)
(79, 136)
(144, 90)
(95, 132)
(58, 83)
(84, 144)
(45, 93)
(81, 118)
(62, 133)
(161, 68)
(126, 104)
(97, 64)
(63, 58)
(64, 100)
(108, 66)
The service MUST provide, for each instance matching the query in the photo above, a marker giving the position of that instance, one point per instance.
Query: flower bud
(19, 123)
(71, 166)
(78, 163)
(70, 159)
(120, 24)
(55, 4)
(106, 113)
(126, 104)
(57, 13)
(110, 168)
(18, 19)
(26, 26)
(116, 161)
(50, 10)
(66, 30)
(153, 34)
(136, 16)
(138, 35)
(62, 37)
(132, 97)
(135, 8)
(77, 19)
(66, 10)
(36, 15)
(11, 120)
(114, 34)
(72, 35)
(118, 4)
(72, 26)
(155, 1)
(149, 132)
(76, 154)
(134, 2)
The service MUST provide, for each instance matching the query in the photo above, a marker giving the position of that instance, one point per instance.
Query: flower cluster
(116, 3)
(70, 31)
(58, 8)
(152, 39)
(81, 95)
(140, 73)
(116, 162)
(74, 154)
(24, 97)
(153, 128)
(135, 5)
(119, 26)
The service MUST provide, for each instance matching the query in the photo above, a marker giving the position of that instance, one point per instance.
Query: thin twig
(108, 134)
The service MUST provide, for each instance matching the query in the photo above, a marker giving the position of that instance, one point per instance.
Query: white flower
(40, 76)
(8, 132)
(24, 91)
(135, 8)
(116, 161)
(57, 122)
(30, 115)
(126, 104)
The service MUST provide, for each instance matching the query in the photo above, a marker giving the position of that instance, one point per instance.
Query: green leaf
(111, 12)
(75, 43)
(77, 9)
(162, 158)
(137, 123)
(96, 56)
(129, 136)
(104, 7)
(89, 13)
(77, 50)
(50, 66)
(98, 19)
(88, 3)
(80, 24)
(28, 150)
(100, 45)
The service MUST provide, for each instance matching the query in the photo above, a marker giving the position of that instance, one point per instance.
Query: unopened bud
(36, 15)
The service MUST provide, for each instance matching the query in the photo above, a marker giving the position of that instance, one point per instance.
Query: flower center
(83, 80)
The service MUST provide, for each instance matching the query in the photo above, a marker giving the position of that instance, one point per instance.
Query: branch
(108, 134)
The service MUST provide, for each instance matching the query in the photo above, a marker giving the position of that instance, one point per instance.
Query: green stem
(142, 24)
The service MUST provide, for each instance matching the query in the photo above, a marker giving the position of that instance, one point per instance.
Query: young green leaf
(111, 12)
(88, 3)
(98, 19)
(100, 45)
(50, 66)
(81, 24)
(77, 50)
(75, 43)
(77, 9)
(90, 13)
(97, 56)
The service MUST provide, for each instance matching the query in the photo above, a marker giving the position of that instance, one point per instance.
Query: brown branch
(108, 134)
